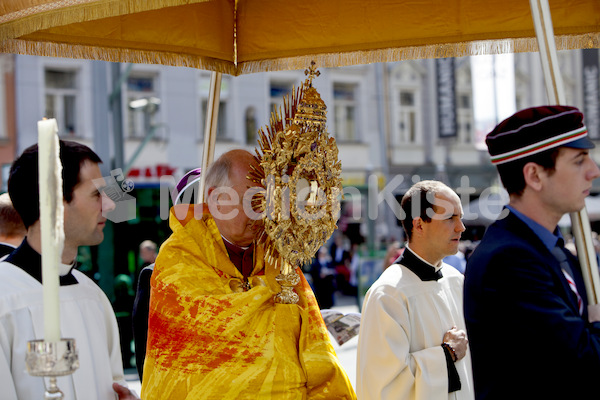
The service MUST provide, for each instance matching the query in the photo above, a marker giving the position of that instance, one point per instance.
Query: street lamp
(149, 106)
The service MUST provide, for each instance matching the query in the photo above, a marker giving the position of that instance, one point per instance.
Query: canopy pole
(580, 223)
(210, 129)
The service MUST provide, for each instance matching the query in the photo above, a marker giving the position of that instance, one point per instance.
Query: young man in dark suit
(531, 332)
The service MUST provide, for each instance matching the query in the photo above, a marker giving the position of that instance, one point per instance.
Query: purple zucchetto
(189, 180)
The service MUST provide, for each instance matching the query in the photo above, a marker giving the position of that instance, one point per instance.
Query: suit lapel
(520, 228)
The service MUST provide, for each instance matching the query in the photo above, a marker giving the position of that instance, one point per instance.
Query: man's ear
(417, 225)
(209, 193)
(212, 199)
(532, 175)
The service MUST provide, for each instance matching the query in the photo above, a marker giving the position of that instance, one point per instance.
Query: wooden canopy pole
(210, 129)
(580, 223)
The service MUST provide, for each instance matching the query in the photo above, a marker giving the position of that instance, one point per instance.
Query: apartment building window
(407, 118)
(277, 92)
(61, 91)
(522, 91)
(567, 69)
(464, 117)
(344, 104)
(251, 125)
(405, 105)
(221, 120)
(141, 115)
(204, 92)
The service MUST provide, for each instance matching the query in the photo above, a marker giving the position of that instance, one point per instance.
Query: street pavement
(346, 352)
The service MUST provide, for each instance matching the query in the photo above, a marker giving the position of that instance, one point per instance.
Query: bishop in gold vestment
(211, 336)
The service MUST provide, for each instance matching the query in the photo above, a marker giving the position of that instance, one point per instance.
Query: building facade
(8, 141)
(395, 122)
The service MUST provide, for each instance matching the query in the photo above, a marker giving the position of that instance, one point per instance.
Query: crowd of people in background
(334, 270)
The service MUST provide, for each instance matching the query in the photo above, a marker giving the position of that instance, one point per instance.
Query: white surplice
(85, 315)
(403, 323)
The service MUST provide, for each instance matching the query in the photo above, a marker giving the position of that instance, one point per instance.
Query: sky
(493, 80)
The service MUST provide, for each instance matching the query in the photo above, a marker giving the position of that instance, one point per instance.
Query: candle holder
(51, 360)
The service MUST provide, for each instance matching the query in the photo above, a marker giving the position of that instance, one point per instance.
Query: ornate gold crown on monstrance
(300, 171)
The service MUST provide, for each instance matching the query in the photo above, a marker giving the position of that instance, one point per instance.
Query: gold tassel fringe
(462, 49)
(49, 49)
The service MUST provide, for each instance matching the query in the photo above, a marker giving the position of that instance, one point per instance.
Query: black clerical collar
(6, 249)
(30, 261)
(424, 270)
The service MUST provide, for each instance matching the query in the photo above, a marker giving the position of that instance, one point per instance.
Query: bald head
(222, 171)
(225, 187)
(240, 160)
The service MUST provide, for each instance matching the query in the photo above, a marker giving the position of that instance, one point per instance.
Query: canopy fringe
(64, 12)
(462, 49)
(50, 49)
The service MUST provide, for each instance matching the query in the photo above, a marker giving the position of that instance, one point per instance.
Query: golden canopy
(244, 36)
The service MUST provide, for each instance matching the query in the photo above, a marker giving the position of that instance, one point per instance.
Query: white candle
(51, 224)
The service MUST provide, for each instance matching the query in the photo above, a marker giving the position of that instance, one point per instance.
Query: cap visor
(583, 143)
